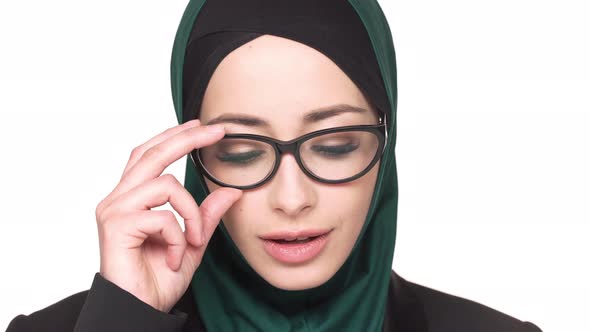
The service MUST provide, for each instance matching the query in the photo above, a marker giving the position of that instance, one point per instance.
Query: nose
(291, 191)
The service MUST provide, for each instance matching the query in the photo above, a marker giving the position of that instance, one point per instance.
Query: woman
(287, 112)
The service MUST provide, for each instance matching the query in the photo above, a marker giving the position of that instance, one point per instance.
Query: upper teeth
(297, 238)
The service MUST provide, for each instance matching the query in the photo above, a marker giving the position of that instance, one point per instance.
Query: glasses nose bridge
(292, 148)
(289, 147)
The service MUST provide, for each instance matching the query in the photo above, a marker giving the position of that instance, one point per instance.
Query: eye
(242, 158)
(334, 151)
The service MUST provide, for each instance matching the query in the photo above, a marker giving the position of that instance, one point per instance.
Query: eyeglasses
(333, 155)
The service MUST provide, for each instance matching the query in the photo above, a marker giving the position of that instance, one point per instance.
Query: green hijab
(231, 296)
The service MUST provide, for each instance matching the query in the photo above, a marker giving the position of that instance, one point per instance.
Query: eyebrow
(312, 116)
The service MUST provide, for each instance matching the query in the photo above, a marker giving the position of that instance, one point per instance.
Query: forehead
(277, 79)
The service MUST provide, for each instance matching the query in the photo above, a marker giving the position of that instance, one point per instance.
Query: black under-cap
(327, 25)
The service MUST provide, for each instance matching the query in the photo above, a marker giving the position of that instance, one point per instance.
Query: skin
(281, 80)
(145, 251)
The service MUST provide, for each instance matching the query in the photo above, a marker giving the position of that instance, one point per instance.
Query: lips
(295, 247)
(295, 235)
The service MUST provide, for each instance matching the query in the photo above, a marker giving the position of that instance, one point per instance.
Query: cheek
(348, 209)
(234, 217)
(351, 201)
(353, 208)
(245, 216)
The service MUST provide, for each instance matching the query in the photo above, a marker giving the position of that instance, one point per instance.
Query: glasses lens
(238, 161)
(340, 155)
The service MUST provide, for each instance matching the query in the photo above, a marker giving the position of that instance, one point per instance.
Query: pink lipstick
(295, 247)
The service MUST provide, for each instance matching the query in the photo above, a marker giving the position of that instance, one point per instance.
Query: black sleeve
(449, 313)
(111, 308)
(104, 307)
(531, 327)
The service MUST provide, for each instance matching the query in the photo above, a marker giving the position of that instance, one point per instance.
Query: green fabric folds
(232, 297)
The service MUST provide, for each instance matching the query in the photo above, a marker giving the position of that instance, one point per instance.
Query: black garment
(107, 307)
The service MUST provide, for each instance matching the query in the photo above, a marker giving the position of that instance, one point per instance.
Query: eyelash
(327, 151)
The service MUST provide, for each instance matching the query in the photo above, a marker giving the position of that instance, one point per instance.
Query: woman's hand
(145, 251)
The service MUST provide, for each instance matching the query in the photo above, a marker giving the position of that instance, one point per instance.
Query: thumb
(214, 207)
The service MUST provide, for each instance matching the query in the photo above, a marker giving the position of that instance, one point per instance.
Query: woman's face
(279, 81)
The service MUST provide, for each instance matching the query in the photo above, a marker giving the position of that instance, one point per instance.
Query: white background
(493, 144)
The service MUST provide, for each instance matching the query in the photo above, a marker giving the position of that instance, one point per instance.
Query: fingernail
(194, 122)
(238, 192)
(216, 128)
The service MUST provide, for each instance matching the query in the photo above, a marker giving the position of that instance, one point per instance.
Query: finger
(138, 151)
(215, 206)
(158, 192)
(162, 224)
(155, 159)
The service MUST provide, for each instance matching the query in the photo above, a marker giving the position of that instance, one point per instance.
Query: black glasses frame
(292, 146)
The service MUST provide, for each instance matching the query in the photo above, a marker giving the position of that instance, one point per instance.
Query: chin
(294, 278)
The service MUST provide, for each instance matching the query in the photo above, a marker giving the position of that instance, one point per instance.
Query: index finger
(155, 160)
(158, 139)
